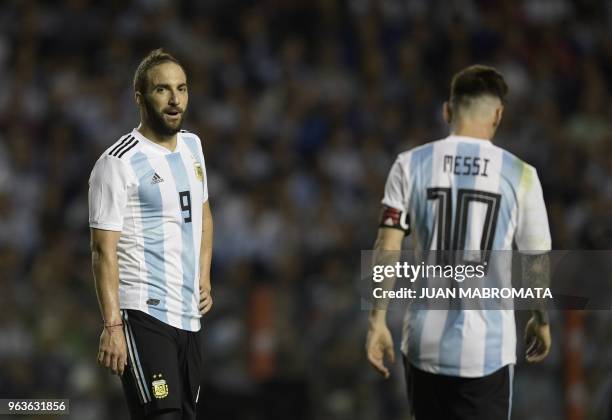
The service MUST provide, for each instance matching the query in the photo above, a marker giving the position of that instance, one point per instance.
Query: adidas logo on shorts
(156, 179)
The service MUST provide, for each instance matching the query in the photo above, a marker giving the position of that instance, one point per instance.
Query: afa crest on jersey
(198, 171)
(160, 387)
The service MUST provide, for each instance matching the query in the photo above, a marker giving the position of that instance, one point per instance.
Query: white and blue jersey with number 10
(462, 193)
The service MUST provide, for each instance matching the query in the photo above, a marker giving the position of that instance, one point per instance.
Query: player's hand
(112, 353)
(537, 340)
(378, 343)
(205, 300)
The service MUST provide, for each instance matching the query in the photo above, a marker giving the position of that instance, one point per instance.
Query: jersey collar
(155, 146)
(466, 138)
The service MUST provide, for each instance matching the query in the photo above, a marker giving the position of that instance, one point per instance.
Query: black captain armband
(395, 219)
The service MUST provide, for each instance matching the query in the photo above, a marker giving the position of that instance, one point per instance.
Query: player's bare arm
(205, 259)
(379, 341)
(536, 272)
(112, 353)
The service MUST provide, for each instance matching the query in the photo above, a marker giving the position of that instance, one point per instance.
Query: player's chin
(173, 122)
(174, 126)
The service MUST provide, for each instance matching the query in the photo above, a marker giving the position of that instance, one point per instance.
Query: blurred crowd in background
(302, 107)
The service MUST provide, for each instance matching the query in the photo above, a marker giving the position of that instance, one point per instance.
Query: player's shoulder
(122, 149)
(516, 162)
(419, 153)
(193, 142)
(117, 157)
(189, 136)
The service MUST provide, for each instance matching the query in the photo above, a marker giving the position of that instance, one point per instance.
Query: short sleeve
(195, 146)
(395, 187)
(108, 194)
(533, 233)
(204, 181)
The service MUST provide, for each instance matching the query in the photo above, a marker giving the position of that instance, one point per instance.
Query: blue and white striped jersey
(469, 190)
(154, 198)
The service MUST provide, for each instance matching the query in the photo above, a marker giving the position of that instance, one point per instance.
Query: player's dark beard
(156, 121)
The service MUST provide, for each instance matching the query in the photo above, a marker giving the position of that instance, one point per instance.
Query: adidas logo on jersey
(156, 179)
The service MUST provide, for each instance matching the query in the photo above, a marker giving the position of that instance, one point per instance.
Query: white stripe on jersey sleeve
(532, 233)
(108, 185)
(397, 183)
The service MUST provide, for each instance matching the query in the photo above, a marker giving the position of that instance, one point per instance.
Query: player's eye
(159, 90)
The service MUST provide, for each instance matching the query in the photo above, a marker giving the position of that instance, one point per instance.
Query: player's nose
(174, 98)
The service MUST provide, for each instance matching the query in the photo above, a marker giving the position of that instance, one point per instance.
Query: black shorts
(433, 396)
(164, 369)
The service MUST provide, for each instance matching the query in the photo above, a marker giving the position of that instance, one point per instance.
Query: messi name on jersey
(465, 165)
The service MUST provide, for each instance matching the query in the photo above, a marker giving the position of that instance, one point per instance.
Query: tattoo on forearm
(536, 274)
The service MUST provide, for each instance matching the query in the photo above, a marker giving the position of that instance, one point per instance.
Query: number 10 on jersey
(453, 238)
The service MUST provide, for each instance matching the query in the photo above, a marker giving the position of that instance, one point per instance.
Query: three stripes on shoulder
(124, 146)
(126, 143)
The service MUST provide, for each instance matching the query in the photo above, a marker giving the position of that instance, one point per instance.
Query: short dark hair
(154, 58)
(475, 81)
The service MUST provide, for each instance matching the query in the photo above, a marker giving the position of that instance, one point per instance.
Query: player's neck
(169, 142)
(477, 131)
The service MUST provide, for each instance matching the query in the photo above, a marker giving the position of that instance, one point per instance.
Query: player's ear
(499, 113)
(447, 112)
(138, 97)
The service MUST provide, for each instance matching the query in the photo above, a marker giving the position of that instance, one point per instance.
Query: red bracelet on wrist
(113, 325)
